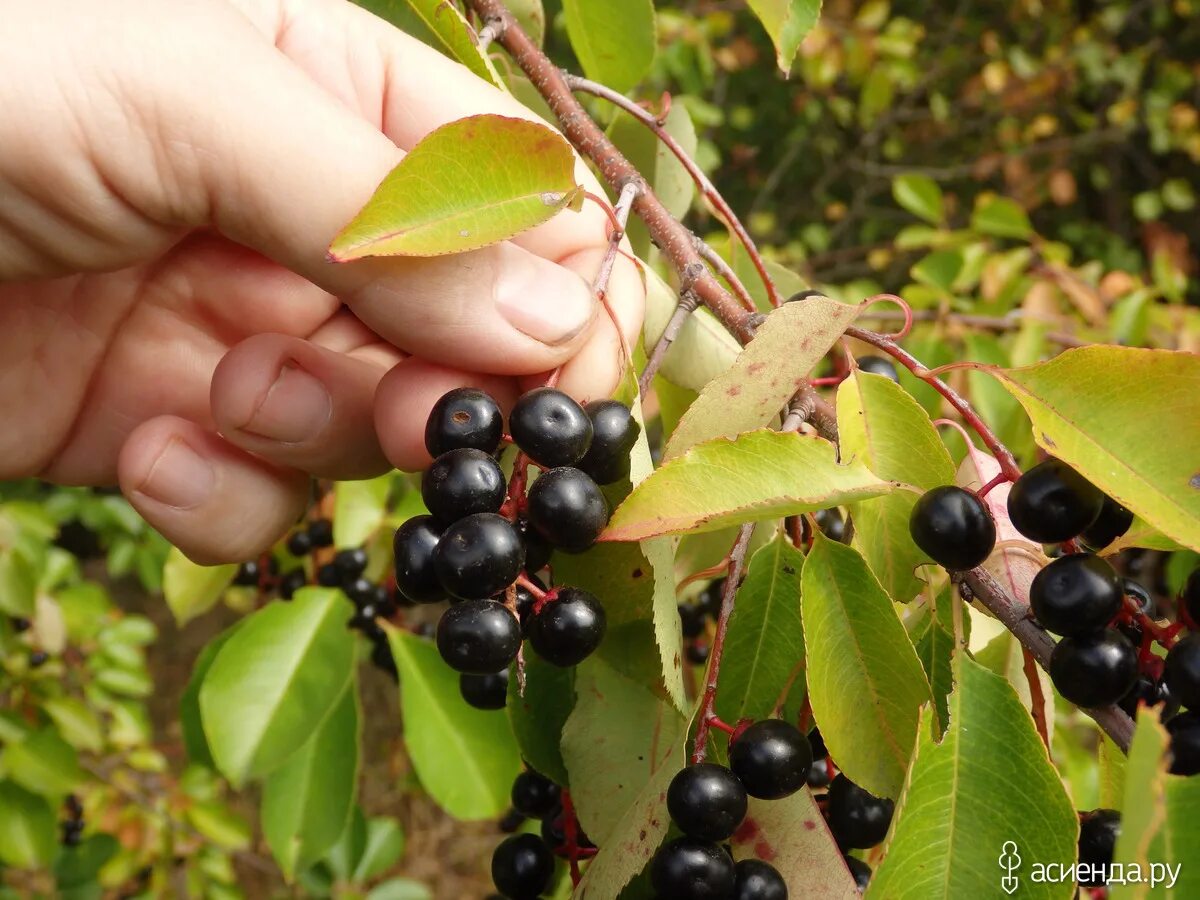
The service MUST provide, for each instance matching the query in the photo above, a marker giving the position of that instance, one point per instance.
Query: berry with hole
(614, 432)
(1076, 594)
(568, 628)
(461, 483)
(413, 546)
(771, 758)
(478, 556)
(478, 636)
(953, 527)
(1094, 669)
(857, 818)
(691, 869)
(706, 801)
(550, 427)
(567, 509)
(1052, 503)
(464, 418)
(522, 866)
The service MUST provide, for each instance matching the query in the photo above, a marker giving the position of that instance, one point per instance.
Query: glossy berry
(771, 758)
(320, 533)
(1098, 833)
(478, 636)
(569, 628)
(860, 872)
(691, 620)
(1094, 670)
(832, 524)
(551, 428)
(510, 822)
(299, 543)
(1189, 597)
(567, 509)
(816, 743)
(1052, 503)
(1145, 692)
(413, 546)
(1182, 672)
(690, 869)
(478, 556)
(461, 483)
(754, 879)
(878, 366)
(1141, 596)
(291, 582)
(464, 418)
(484, 691)
(614, 432)
(953, 527)
(537, 549)
(706, 801)
(709, 599)
(534, 795)
(857, 817)
(1076, 594)
(1114, 520)
(818, 775)
(522, 866)
(1185, 744)
(247, 574)
(329, 576)
(351, 562)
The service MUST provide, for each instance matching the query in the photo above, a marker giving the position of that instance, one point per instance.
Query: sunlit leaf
(615, 40)
(449, 26)
(1001, 217)
(28, 828)
(787, 22)
(191, 589)
(920, 195)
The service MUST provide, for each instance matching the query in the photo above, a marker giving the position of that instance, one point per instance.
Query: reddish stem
(1000, 479)
(710, 572)
(720, 724)
(1037, 699)
(571, 833)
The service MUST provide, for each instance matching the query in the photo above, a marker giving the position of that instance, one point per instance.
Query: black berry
(554, 833)
(691, 620)
(461, 483)
(522, 866)
(818, 775)
(832, 524)
(1098, 833)
(697, 653)
(478, 636)
(857, 817)
(879, 366)
(534, 795)
(551, 428)
(525, 602)
(803, 295)
(510, 822)
(299, 543)
(329, 576)
(771, 758)
(706, 801)
(1189, 597)
(1182, 672)
(1145, 692)
(754, 879)
(351, 562)
(953, 527)
(1052, 503)
(1114, 520)
(1094, 670)
(464, 418)
(1141, 596)
(709, 599)
(1185, 744)
(478, 556)
(484, 691)
(291, 582)
(689, 869)
(614, 432)
(38, 658)
(320, 533)
(817, 744)
(1076, 594)
(567, 509)
(247, 574)
(569, 628)
(537, 549)
(413, 546)
(860, 872)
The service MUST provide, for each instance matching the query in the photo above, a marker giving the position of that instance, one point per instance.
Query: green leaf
(220, 824)
(787, 22)
(43, 763)
(865, 683)
(765, 375)
(921, 196)
(1000, 217)
(538, 717)
(939, 269)
(531, 16)
(275, 681)
(1074, 401)
(791, 834)
(473, 182)
(348, 851)
(615, 40)
(703, 349)
(934, 643)
(637, 835)
(1004, 656)
(306, 803)
(617, 737)
(28, 830)
(359, 508)
(764, 644)
(190, 722)
(466, 758)
(191, 589)
(883, 427)
(400, 889)
(989, 781)
(449, 26)
(1112, 773)
(76, 721)
(383, 848)
(76, 866)
(18, 583)
(759, 475)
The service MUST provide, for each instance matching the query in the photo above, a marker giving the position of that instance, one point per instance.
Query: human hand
(170, 177)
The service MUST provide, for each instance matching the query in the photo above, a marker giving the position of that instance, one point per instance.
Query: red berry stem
(571, 834)
(1037, 698)
(715, 721)
(1000, 479)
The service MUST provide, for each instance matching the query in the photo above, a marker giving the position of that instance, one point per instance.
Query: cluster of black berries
(264, 573)
(477, 539)
(522, 865)
(71, 827)
(707, 802)
(1098, 833)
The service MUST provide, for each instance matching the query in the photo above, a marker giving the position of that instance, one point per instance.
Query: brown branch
(1015, 617)
(672, 237)
(707, 188)
(629, 194)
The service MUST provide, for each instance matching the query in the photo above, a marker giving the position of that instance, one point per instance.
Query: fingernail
(296, 407)
(180, 477)
(549, 303)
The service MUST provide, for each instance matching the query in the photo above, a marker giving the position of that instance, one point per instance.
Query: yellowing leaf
(191, 589)
(451, 28)
(1129, 421)
(759, 475)
(787, 22)
(473, 182)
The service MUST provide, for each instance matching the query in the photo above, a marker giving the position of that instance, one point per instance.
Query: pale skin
(171, 175)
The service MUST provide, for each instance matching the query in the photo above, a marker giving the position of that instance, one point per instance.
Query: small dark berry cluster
(484, 538)
(72, 825)
(523, 864)
(769, 760)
